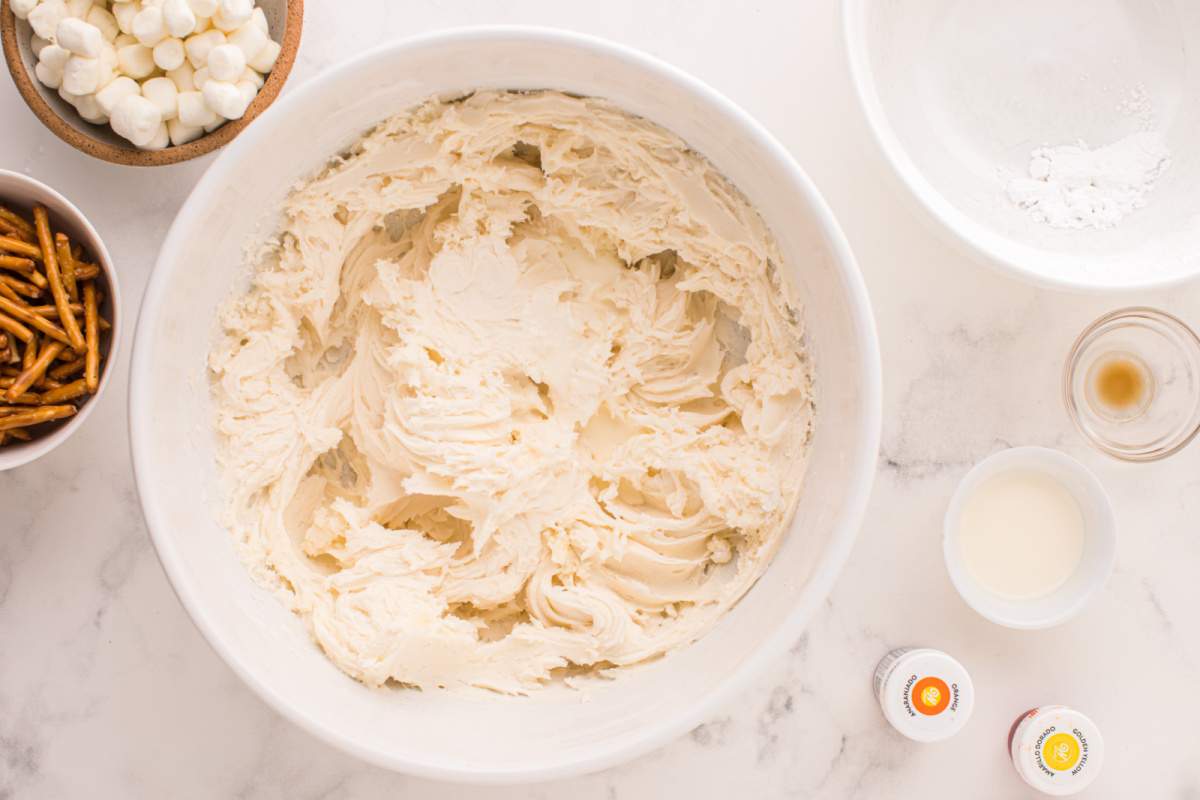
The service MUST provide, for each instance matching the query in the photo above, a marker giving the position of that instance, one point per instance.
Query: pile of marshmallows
(159, 71)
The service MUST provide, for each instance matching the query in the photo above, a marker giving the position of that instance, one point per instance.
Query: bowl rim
(11, 458)
(132, 156)
(998, 252)
(1015, 457)
(827, 568)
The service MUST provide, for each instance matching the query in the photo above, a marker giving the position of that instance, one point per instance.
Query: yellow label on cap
(1061, 752)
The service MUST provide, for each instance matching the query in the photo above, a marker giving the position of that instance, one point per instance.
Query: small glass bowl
(1166, 354)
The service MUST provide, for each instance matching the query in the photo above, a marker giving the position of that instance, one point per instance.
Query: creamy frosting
(517, 391)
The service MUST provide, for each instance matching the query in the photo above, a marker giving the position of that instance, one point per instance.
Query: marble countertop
(108, 691)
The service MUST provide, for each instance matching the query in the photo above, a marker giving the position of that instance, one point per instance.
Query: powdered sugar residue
(1073, 186)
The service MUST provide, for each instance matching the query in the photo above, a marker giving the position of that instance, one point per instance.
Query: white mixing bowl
(471, 737)
(960, 92)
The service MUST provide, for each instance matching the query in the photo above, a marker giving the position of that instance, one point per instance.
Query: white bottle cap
(1057, 750)
(925, 694)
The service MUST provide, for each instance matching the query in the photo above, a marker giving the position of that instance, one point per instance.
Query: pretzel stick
(20, 434)
(15, 328)
(19, 286)
(66, 263)
(85, 271)
(14, 245)
(62, 394)
(26, 267)
(8, 292)
(52, 311)
(17, 264)
(35, 416)
(19, 312)
(63, 371)
(28, 399)
(91, 317)
(8, 229)
(34, 372)
(31, 351)
(50, 260)
(15, 220)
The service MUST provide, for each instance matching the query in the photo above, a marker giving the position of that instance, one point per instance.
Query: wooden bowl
(285, 18)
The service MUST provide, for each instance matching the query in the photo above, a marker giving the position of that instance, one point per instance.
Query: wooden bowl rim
(132, 156)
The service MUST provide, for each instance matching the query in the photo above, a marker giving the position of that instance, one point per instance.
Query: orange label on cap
(930, 696)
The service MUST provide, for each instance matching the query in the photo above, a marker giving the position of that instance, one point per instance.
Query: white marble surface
(107, 690)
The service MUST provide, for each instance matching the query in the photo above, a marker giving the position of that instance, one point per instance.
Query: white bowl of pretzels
(59, 330)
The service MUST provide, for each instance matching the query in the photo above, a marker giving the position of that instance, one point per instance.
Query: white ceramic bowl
(959, 93)
(21, 192)
(464, 737)
(1099, 549)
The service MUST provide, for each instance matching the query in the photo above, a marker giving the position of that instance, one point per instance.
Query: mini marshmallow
(179, 18)
(203, 8)
(253, 77)
(54, 57)
(73, 99)
(78, 8)
(21, 8)
(199, 46)
(89, 108)
(182, 134)
(124, 13)
(194, 112)
(259, 20)
(136, 119)
(48, 76)
(108, 64)
(148, 26)
(224, 98)
(37, 44)
(203, 24)
(164, 94)
(199, 78)
(124, 40)
(182, 77)
(81, 75)
(117, 90)
(250, 39)
(233, 14)
(169, 54)
(104, 21)
(44, 19)
(81, 38)
(265, 60)
(162, 138)
(248, 90)
(226, 63)
(136, 61)
(212, 126)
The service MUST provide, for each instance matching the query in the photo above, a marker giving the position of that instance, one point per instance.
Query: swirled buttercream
(516, 390)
